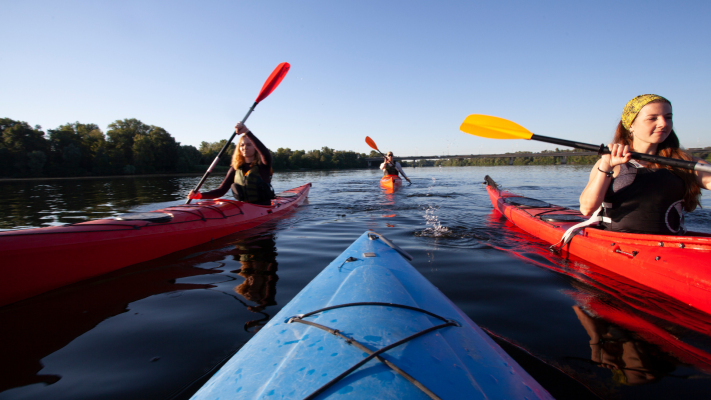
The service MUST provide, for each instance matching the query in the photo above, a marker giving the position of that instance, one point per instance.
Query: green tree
(147, 148)
(188, 158)
(101, 164)
(209, 152)
(165, 149)
(143, 156)
(36, 162)
(87, 138)
(122, 134)
(71, 160)
(19, 139)
(280, 159)
(296, 159)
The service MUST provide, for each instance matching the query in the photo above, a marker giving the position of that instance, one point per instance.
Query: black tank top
(645, 200)
(390, 169)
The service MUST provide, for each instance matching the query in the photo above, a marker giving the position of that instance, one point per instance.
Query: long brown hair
(669, 148)
(238, 158)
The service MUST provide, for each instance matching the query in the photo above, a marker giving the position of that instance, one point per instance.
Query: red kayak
(391, 183)
(37, 260)
(678, 266)
(623, 293)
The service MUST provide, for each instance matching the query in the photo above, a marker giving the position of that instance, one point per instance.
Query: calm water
(158, 330)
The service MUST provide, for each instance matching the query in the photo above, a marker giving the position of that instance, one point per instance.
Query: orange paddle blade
(371, 143)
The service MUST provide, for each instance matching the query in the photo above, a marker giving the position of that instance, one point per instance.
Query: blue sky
(405, 73)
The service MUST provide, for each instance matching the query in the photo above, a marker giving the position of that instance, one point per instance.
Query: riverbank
(63, 178)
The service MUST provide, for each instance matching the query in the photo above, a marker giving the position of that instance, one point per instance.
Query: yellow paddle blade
(493, 128)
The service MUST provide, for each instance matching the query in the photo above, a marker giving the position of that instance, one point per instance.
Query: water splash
(434, 226)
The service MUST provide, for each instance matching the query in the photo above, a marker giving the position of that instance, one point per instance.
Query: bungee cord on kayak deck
(373, 354)
(193, 211)
(149, 224)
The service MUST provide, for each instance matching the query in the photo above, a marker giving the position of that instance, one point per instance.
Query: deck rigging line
(373, 354)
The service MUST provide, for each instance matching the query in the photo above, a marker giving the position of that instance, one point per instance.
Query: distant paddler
(392, 167)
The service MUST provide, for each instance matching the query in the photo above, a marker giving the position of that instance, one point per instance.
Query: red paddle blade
(273, 81)
(371, 143)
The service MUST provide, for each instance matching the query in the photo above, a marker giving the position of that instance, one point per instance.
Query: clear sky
(405, 73)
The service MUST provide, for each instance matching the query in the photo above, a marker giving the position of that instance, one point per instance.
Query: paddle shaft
(602, 149)
(222, 151)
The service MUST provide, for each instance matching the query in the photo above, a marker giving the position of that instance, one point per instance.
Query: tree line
(540, 159)
(131, 147)
(533, 159)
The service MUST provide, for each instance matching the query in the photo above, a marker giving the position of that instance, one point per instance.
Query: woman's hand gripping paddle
(272, 82)
(499, 128)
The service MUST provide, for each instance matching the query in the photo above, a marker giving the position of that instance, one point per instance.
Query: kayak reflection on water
(633, 362)
(259, 266)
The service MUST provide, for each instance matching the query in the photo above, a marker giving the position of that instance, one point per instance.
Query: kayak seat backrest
(561, 218)
(146, 216)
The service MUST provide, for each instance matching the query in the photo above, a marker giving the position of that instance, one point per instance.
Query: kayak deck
(390, 183)
(38, 260)
(370, 300)
(679, 266)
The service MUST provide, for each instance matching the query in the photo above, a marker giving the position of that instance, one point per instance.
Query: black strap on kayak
(364, 349)
(373, 354)
(369, 303)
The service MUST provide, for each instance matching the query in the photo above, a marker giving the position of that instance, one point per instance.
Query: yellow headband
(633, 106)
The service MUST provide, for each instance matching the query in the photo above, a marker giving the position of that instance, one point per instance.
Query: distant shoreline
(57, 178)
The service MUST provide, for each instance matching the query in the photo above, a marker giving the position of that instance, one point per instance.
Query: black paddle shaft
(217, 158)
(602, 149)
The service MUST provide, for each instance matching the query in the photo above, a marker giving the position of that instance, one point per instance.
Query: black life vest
(644, 200)
(390, 169)
(251, 188)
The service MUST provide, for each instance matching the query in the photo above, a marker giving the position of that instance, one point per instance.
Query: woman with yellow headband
(638, 196)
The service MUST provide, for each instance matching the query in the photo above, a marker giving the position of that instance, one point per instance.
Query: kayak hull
(678, 266)
(289, 359)
(391, 183)
(42, 259)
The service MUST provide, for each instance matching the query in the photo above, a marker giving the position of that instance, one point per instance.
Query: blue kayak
(370, 326)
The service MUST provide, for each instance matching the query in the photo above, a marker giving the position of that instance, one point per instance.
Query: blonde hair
(238, 158)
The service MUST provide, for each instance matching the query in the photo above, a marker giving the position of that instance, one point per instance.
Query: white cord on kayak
(596, 218)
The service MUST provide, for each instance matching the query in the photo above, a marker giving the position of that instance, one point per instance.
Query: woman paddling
(391, 167)
(250, 174)
(639, 196)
